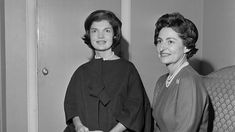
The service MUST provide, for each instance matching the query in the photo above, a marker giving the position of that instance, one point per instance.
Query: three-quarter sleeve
(73, 98)
(191, 103)
(132, 114)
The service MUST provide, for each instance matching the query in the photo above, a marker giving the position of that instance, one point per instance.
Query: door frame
(32, 40)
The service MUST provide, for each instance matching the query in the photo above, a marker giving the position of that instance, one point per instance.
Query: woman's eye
(170, 42)
(92, 30)
(108, 30)
(159, 41)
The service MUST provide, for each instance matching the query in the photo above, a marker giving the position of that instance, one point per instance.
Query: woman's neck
(105, 55)
(174, 66)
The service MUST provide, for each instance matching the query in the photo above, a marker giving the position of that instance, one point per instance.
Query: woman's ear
(186, 50)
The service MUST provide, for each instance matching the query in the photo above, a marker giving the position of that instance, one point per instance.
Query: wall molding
(126, 22)
(31, 41)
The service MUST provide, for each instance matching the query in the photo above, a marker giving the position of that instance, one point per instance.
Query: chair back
(221, 88)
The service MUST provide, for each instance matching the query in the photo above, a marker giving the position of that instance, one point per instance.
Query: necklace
(171, 77)
(105, 58)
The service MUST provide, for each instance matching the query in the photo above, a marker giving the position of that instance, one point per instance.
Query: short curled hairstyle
(100, 15)
(184, 27)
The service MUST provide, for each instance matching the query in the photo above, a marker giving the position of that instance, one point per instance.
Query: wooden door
(60, 51)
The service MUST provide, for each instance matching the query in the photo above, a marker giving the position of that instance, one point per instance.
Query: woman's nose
(100, 35)
(161, 46)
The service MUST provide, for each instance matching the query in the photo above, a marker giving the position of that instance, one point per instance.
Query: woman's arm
(191, 103)
(118, 128)
(79, 127)
(132, 113)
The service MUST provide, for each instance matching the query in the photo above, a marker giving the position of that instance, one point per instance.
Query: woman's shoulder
(163, 77)
(161, 80)
(81, 68)
(126, 63)
(189, 73)
(190, 77)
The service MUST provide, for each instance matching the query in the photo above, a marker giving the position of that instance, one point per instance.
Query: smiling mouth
(101, 42)
(162, 54)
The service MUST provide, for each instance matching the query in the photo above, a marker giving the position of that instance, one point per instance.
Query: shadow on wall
(122, 50)
(203, 67)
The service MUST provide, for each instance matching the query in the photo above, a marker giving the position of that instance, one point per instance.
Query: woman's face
(101, 35)
(170, 46)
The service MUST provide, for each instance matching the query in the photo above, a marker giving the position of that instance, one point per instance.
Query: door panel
(60, 51)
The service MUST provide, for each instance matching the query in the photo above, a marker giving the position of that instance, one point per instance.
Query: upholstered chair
(221, 88)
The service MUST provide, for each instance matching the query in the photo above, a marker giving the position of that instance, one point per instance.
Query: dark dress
(183, 106)
(103, 93)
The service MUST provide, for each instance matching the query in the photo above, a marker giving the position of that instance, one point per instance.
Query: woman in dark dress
(180, 102)
(106, 93)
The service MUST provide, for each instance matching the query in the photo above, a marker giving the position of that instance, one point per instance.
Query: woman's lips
(101, 42)
(162, 54)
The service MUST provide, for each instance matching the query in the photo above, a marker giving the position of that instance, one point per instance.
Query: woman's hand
(118, 128)
(79, 127)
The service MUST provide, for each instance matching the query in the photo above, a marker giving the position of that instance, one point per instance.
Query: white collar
(106, 58)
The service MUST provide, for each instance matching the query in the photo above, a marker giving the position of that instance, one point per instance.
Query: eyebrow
(171, 38)
(104, 28)
(93, 28)
(108, 28)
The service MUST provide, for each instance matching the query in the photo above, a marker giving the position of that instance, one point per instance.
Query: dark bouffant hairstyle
(100, 15)
(184, 27)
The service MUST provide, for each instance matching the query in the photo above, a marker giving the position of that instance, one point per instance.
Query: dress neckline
(169, 78)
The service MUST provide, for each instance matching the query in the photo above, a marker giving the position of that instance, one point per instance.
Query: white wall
(2, 68)
(16, 65)
(219, 33)
(144, 15)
